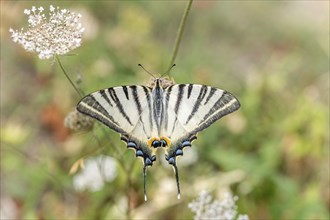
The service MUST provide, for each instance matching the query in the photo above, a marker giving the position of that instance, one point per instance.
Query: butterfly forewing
(190, 108)
(126, 109)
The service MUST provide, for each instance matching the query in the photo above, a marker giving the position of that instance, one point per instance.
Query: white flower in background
(223, 209)
(97, 171)
(8, 208)
(58, 34)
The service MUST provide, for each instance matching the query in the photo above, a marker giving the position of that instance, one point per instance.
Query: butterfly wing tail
(177, 180)
(144, 182)
(175, 150)
(142, 151)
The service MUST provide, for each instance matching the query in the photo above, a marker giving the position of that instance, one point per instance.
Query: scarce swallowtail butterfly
(162, 115)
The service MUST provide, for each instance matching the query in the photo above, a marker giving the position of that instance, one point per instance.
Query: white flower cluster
(224, 209)
(56, 35)
(97, 171)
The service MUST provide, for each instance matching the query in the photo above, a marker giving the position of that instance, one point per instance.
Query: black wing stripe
(174, 125)
(138, 104)
(225, 105)
(97, 111)
(210, 95)
(218, 107)
(126, 92)
(167, 99)
(198, 102)
(190, 87)
(105, 96)
(136, 99)
(178, 101)
(146, 91)
(114, 97)
(204, 124)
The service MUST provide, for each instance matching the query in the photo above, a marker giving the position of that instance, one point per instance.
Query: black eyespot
(186, 144)
(166, 157)
(153, 158)
(148, 162)
(179, 152)
(171, 160)
(156, 144)
(131, 145)
(139, 153)
(163, 143)
(192, 138)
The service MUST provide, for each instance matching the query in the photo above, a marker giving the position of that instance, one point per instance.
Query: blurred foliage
(273, 153)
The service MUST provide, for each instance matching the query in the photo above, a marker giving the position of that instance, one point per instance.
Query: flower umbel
(77, 121)
(58, 34)
(224, 209)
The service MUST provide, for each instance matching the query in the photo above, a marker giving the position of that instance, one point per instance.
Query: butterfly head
(162, 82)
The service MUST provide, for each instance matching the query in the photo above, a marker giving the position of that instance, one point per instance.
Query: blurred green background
(273, 153)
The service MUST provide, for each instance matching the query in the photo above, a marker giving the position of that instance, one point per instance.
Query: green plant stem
(180, 32)
(67, 76)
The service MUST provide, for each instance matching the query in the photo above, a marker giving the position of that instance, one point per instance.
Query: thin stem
(180, 32)
(67, 76)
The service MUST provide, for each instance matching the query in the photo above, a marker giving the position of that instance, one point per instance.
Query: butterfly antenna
(144, 182)
(177, 179)
(169, 69)
(140, 65)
